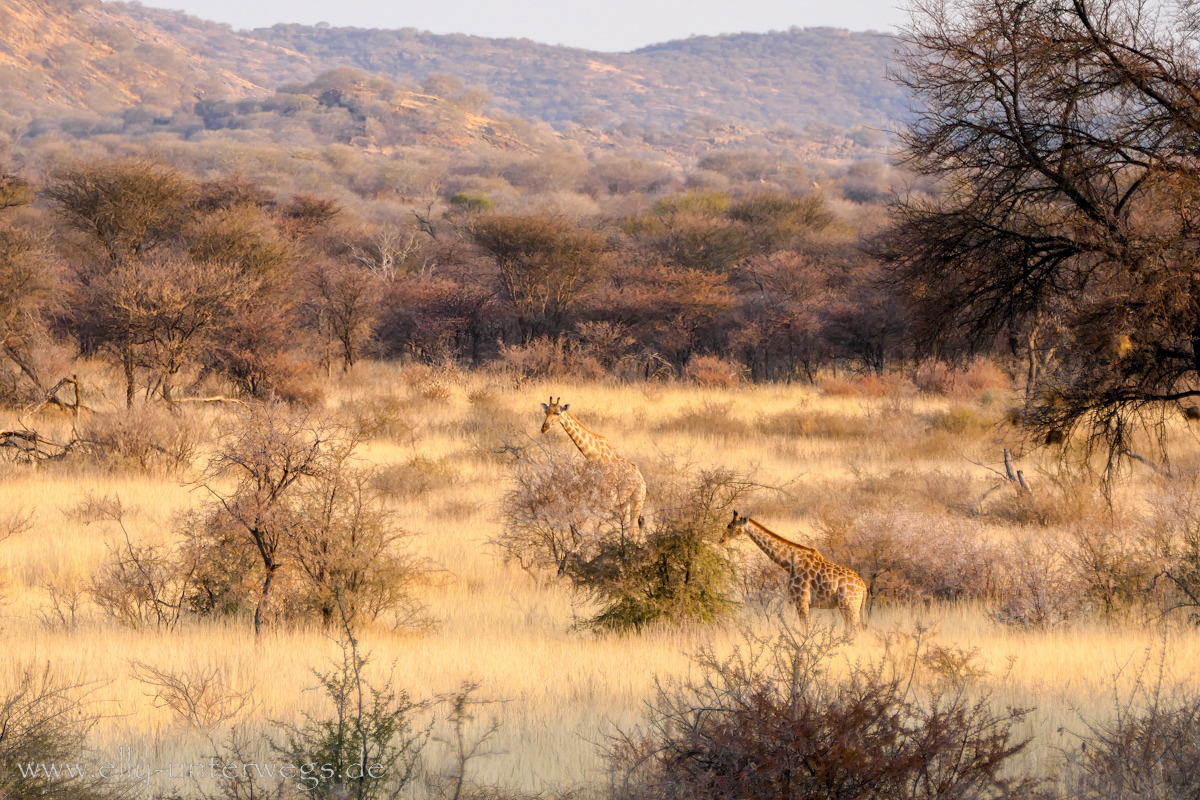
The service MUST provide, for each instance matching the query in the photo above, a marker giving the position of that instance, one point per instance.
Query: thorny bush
(560, 515)
(775, 720)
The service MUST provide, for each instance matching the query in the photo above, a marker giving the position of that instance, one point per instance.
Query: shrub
(414, 477)
(905, 554)
(348, 549)
(713, 372)
(890, 385)
(471, 201)
(558, 504)
(980, 376)
(772, 721)
(560, 514)
(1039, 589)
(146, 438)
(294, 498)
(673, 572)
(382, 416)
(1150, 746)
(547, 357)
(45, 719)
(139, 585)
(367, 748)
(1112, 562)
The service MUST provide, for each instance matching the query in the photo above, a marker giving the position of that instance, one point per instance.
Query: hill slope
(797, 77)
(64, 55)
(105, 56)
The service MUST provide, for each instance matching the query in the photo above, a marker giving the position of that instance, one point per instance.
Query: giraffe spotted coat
(813, 579)
(624, 478)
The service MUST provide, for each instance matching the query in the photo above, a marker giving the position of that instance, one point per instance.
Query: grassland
(558, 691)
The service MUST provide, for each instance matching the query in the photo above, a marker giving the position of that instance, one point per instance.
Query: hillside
(799, 77)
(106, 56)
(373, 115)
(60, 56)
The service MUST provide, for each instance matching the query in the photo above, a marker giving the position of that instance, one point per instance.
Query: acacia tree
(124, 207)
(166, 310)
(268, 455)
(346, 300)
(28, 289)
(1065, 136)
(547, 265)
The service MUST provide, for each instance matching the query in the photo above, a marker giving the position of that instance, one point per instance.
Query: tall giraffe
(813, 577)
(628, 483)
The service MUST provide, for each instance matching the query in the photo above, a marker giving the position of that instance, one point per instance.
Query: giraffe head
(552, 412)
(734, 528)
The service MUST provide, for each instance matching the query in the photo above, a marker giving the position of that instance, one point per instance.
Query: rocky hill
(62, 55)
(799, 77)
(405, 116)
(106, 56)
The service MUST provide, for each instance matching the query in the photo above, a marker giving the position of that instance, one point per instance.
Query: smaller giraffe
(813, 577)
(629, 486)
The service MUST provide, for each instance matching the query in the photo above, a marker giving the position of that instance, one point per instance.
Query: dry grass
(448, 454)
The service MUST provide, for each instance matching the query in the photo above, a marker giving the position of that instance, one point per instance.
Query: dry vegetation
(1049, 597)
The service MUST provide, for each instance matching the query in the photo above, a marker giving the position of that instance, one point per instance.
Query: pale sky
(605, 25)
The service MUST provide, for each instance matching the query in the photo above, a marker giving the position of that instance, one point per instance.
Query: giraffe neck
(593, 446)
(783, 552)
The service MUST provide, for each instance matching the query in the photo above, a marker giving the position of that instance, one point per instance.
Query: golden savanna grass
(448, 438)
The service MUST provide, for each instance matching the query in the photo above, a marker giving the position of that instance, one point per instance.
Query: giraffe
(813, 577)
(629, 485)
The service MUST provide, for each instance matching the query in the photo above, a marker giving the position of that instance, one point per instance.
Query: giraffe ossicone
(627, 482)
(812, 577)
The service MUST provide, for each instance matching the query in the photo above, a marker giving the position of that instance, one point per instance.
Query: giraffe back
(812, 578)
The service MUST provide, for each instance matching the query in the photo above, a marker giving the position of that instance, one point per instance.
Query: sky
(604, 25)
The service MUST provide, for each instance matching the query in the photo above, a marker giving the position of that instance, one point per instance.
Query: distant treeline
(180, 281)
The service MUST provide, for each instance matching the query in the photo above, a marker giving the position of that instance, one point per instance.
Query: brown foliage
(671, 310)
(434, 318)
(30, 290)
(125, 207)
(160, 313)
(547, 265)
(712, 372)
(347, 298)
(769, 721)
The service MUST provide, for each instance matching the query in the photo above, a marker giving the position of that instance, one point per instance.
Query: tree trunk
(127, 358)
(261, 611)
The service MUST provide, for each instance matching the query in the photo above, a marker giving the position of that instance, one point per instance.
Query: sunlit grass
(558, 691)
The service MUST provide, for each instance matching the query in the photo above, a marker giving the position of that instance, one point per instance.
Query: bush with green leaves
(368, 747)
(44, 723)
(558, 515)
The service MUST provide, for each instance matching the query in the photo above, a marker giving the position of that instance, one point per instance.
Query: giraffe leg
(851, 605)
(801, 597)
(849, 617)
(637, 498)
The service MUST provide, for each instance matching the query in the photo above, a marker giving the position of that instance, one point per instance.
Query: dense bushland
(197, 289)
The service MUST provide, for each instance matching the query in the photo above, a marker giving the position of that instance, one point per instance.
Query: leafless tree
(1064, 135)
(346, 297)
(269, 451)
